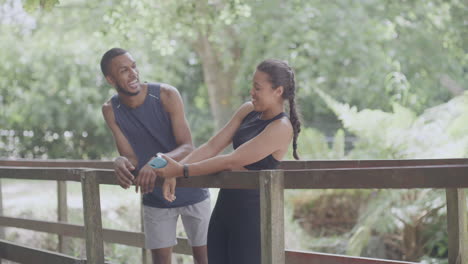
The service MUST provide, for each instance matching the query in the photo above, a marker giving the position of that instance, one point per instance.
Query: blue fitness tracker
(158, 162)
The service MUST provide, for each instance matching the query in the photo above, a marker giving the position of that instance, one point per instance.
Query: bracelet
(186, 175)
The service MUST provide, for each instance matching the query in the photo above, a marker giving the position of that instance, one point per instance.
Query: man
(145, 119)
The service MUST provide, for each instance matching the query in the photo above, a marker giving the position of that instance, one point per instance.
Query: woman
(261, 133)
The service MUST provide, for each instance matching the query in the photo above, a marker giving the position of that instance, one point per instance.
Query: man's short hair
(107, 58)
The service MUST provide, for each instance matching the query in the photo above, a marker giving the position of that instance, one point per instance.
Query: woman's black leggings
(234, 230)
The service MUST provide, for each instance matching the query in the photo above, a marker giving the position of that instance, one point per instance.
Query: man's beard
(122, 90)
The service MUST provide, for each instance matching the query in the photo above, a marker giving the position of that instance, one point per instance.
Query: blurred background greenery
(376, 79)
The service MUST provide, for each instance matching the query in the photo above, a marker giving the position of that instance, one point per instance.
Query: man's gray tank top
(148, 129)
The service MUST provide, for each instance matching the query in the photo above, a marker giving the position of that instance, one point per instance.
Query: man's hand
(168, 189)
(122, 169)
(146, 179)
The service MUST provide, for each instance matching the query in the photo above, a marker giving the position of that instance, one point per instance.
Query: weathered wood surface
(272, 216)
(457, 226)
(29, 255)
(92, 218)
(285, 165)
(41, 173)
(437, 176)
(404, 174)
(62, 214)
(375, 177)
(330, 164)
(57, 163)
(301, 257)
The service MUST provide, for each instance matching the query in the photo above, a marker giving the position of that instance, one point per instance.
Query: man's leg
(200, 255)
(160, 232)
(196, 218)
(162, 255)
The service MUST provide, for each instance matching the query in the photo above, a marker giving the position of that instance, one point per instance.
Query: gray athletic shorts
(160, 224)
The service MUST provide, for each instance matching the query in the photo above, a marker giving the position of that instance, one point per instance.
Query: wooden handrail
(435, 176)
(285, 165)
(449, 173)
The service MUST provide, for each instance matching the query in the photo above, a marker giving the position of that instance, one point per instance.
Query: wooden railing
(450, 174)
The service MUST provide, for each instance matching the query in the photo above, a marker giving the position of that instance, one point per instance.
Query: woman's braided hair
(281, 74)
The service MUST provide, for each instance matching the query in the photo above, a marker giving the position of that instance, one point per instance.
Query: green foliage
(312, 144)
(411, 54)
(415, 214)
(31, 5)
(437, 133)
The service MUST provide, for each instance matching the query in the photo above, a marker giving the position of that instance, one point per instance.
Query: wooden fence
(449, 174)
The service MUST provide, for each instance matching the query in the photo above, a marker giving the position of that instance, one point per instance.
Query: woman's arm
(208, 150)
(222, 139)
(273, 140)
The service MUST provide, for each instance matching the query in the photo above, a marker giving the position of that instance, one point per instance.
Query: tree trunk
(219, 80)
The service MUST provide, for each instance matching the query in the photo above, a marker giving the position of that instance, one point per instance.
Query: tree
(411, 52)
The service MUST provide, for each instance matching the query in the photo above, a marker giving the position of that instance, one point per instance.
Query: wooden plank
(92, 218)
(302, 257)
(457, 226)
(26, 173)
(403, 177)
(378, 177)
(323, 164)
(29, 255)
(57, 163)
(285, 165)
(146, 257)
(272, 216)
(62, 214)
(129, 238)
(228, 180)
(105, 176)
(71, 230)
(2, 229)
(355, 178)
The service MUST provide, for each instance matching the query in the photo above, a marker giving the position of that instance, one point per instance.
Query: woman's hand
(168, 189)
(172, 169)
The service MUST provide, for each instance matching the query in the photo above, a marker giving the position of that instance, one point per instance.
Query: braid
(293, 116)
(281, 74)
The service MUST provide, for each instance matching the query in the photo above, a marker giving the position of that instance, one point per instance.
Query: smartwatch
(186, 175)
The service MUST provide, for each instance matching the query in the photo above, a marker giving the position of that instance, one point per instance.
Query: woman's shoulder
(282, 123)
(247, 107)
(244, 110)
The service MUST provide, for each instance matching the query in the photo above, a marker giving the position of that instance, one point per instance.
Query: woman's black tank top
(230, 199)
(250, 127)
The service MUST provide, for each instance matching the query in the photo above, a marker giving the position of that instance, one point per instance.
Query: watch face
(158, 162)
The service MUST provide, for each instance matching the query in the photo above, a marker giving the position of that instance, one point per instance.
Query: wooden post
(62, 213)
(456, 224)
(146, 257)
(271, 184)
(2, 229)
(92, 218)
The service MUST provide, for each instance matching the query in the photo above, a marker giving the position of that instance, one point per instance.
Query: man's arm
(127, 162)
(172, 103)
